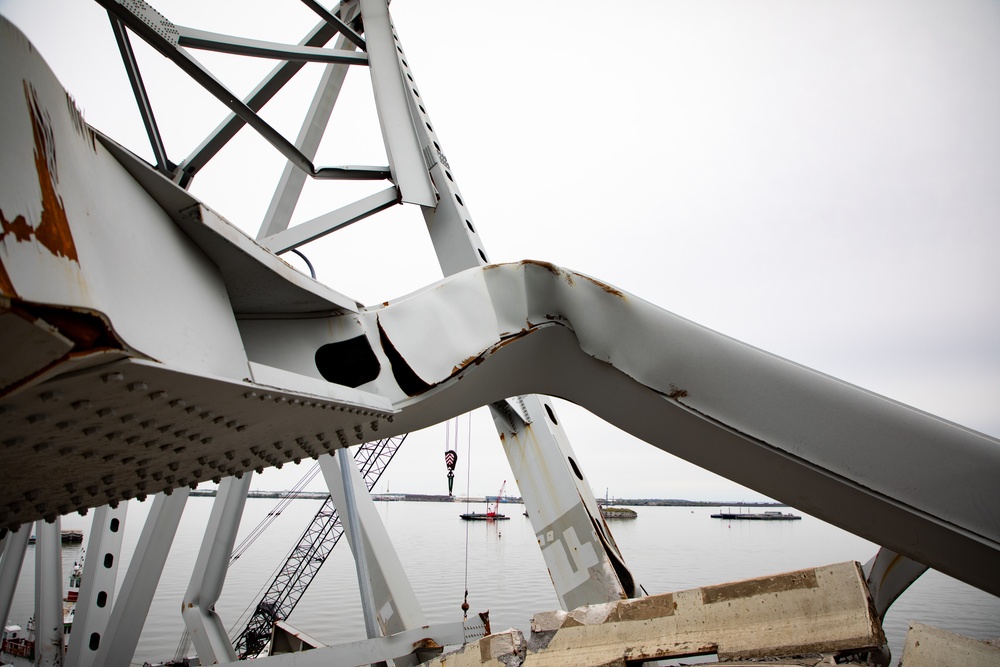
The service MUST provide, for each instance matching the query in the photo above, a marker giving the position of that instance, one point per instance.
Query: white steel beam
(320, 226)
(198, 609)
(48, 594)
(97, 590)
(406, 157)
(289, 188)
(131, 605)
(889, 574)
(15, 545)
(395, 602)
(213, 41)
(582, 558)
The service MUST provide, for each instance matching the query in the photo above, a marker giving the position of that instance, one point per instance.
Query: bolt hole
(471, 228)
(95, 641)
(109, 560)
(102, 599)
(552, 415)
(114, 525)
(483, 255)
(576, 470)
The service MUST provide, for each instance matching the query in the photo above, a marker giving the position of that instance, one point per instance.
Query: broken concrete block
(927, 646)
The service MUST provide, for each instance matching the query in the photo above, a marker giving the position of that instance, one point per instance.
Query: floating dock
(759, 516)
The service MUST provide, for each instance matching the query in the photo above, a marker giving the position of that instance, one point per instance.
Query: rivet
(168, 491)
(127, 460)
(63, 451)
(90, 430)
(127, 418)
(131, 439)
(76, 500)
(201, 460)
(107, 479)
(138, 386)
(10, 442)
(70, 486)
(229, 455)
(149, 423)
(206, 441)
(113, 435)
(87, 453)
(157, 395)
(196, 472)
(91, 490)
(108, 457)
(174, 465)
(230, 424)
(246, 463)
(104, 412)
(37, 418)
(180, 433)
(178, 450)
(300, 441)
(250, 394)
(216, 479)
(64, 425)
(205, 415)
(82, 511)
(276, 445)
(219, 420)
(177, 403)
(31, 495)
(241, 428)
(141, 497)
(49, 396)
(157, 475)
(63, 509)
(81, 405)
(41, 446)
(112, 377)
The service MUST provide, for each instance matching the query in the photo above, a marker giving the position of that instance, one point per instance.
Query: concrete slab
(927, 646)
(795, 618)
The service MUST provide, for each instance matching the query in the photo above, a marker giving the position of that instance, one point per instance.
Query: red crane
(492, 512)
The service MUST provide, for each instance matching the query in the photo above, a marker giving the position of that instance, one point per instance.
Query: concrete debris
(801, 618)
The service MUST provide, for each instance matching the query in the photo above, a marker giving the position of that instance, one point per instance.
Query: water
(668, 549)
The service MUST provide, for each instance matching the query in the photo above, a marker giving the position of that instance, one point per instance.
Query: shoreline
(513, 500)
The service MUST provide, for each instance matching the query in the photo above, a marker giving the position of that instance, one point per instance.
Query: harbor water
(499, 563)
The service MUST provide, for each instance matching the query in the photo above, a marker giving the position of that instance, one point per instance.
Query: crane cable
(468, 476)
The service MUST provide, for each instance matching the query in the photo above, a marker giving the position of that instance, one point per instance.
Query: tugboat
(492, 513)
(18, 646)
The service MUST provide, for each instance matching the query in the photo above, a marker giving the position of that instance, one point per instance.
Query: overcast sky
(817, 179)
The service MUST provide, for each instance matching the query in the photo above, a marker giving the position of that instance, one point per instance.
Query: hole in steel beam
(349, 362)
(576, 470)
(552, 415)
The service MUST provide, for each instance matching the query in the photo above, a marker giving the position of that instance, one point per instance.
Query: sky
(817, 179)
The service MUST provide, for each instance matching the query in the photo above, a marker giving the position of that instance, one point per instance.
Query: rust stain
(604, 286)
(6, 285)
(52, 231)
(548, 266)
(676, 392)
(781, 583)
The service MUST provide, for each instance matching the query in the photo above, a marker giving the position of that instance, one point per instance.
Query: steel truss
(309, 554)
(222, 377)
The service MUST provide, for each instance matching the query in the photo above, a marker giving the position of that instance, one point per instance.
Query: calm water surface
(667, 548)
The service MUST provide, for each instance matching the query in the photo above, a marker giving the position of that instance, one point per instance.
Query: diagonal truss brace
(165, 37)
